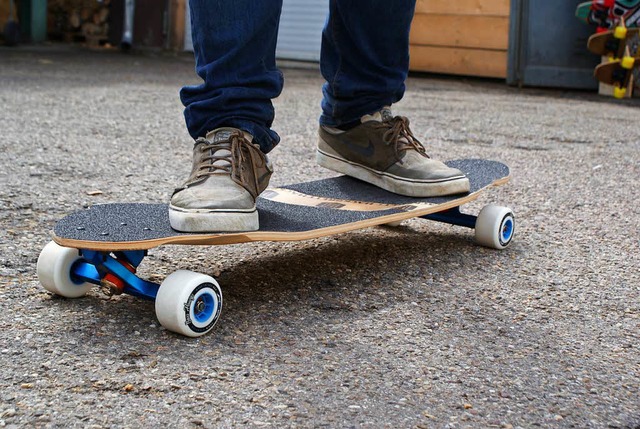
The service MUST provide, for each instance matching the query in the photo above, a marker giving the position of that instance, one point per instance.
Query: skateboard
(622, 69)
(614, 43)
(103, 245)
(621, 73)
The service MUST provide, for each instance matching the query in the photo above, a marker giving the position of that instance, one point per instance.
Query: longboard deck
(613, 73)
(606, 44)
(296, 212)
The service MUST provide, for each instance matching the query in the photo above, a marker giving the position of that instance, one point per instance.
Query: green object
(583, 10)
(626, 8)
(24, 17)
(33, 19)
(628, 3)
(38, 20)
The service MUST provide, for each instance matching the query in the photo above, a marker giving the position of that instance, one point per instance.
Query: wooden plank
(464, 7)
(464, 31)
(177, 11)
(460, 61)
(4, 13)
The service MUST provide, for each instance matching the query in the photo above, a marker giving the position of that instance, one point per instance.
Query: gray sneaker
(228, 174)
(383, 151)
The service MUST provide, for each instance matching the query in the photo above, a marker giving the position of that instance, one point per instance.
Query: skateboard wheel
(54, 271)
(627, 62)
(495, 227)
(620, 32)
(619, 92)
(189, 303)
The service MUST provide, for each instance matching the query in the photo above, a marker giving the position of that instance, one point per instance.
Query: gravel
(410, 327)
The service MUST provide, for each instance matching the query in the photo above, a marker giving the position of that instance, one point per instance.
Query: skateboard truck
(494, 226)
(454, 217)
(114, 273)
(112, 284)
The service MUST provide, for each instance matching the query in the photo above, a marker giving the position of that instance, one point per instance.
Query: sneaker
(228, 174)
(382, 150)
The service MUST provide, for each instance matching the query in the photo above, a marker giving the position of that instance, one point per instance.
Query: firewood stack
(80, 20)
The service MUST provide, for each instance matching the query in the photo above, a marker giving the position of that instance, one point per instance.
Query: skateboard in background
(620, 73)
(616, 41)
(621, 46)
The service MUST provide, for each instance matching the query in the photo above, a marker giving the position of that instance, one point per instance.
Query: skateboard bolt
(200, 306)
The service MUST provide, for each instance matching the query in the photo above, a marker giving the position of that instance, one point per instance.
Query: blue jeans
(364, 60)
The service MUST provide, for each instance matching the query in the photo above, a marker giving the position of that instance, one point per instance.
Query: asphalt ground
(405, 327)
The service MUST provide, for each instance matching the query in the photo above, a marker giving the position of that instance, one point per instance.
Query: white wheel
(495, 227)
(394, 224)
(189, 303)
(54, 271)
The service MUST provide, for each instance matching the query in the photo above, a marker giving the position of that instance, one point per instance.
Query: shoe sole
(213, 220)
(391, 183)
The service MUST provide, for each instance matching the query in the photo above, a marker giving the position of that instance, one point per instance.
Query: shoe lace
(399, 134)
(224, 154)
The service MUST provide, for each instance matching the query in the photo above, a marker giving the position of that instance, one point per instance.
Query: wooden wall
(464, 37)
(177, 11)
(4, 13)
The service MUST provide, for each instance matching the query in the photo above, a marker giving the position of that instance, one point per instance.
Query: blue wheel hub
(506, 231)
(204, 307)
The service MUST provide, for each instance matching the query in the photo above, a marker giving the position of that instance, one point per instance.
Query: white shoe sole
(213, 220)
(391, 183)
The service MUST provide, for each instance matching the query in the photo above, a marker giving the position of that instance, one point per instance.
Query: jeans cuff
(264, 137)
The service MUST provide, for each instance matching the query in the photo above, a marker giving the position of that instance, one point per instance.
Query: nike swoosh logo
(366, 151)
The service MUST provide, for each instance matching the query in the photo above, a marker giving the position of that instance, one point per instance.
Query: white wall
(301, 26)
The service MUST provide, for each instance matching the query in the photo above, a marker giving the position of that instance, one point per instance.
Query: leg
(229, 115)
(365, 57)
(365, 61)
(234, 43)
